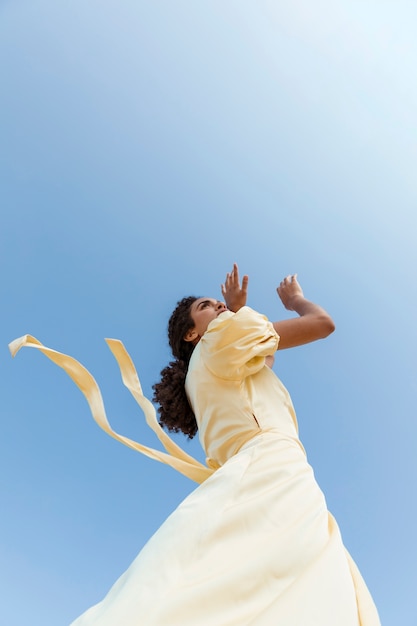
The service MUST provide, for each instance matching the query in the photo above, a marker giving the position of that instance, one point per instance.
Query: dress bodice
(233, 393)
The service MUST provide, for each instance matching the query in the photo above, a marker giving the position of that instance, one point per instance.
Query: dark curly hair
(174, 409)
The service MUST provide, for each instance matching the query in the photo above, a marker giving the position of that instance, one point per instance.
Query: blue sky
(145, 147)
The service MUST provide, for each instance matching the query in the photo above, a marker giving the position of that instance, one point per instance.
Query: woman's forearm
(313, 322)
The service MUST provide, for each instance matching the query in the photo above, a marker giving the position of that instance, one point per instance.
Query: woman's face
(203, 311)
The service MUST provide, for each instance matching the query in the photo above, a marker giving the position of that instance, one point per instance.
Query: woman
(254, 545)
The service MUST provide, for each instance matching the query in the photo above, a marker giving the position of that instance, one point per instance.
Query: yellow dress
(254, 544)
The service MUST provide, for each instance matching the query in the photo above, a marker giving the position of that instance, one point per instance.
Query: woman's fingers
(232, 282)
(289, 280)
(245, 281)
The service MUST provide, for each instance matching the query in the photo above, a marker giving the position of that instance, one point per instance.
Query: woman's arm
(313, 322)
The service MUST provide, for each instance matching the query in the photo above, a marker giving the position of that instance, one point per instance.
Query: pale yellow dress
(254, 544)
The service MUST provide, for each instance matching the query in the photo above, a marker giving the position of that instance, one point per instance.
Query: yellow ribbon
(176, 457)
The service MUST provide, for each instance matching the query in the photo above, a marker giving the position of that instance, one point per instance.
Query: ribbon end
(16, 344)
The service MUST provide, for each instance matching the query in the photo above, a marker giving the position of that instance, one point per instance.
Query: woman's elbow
(327, 326)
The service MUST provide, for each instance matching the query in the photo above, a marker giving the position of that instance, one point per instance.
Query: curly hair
(175, 412)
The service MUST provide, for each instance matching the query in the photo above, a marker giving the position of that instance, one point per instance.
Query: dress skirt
(253, 545)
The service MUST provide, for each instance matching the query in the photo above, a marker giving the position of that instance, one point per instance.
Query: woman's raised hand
(234, 294)
(288, 290)
(313, 322)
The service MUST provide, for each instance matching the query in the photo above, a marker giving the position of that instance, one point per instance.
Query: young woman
(254, 544)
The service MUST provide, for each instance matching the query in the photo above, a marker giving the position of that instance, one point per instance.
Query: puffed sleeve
(235, 344)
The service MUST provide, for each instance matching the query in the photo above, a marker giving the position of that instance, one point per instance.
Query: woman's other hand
(313, 322)
(235, 294)
(289, 290)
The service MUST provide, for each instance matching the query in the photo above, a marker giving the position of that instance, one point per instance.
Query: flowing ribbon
(175, 456)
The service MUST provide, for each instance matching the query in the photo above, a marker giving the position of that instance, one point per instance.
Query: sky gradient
(145, 147)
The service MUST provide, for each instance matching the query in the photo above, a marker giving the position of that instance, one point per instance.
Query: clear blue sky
(145, 147)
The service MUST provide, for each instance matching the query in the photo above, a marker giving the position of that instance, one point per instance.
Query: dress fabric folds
(254, 544)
